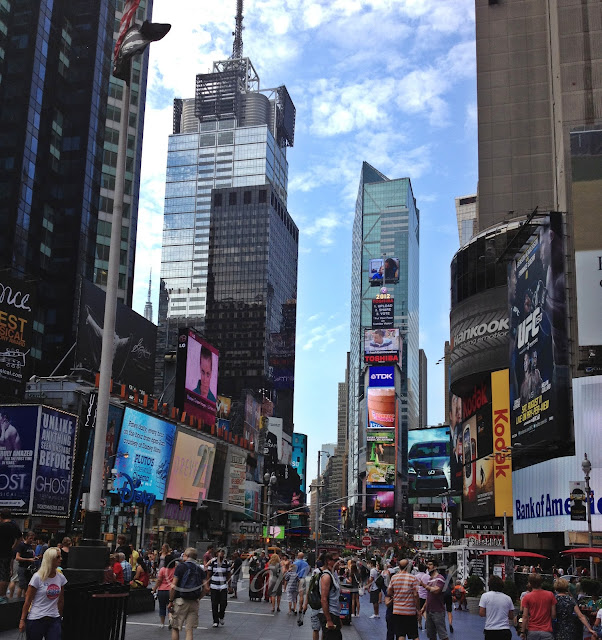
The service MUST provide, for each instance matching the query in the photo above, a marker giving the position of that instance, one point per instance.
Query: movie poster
(539, 353)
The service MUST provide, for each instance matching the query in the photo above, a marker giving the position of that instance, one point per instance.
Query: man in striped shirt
(403, 589)
(219, 578)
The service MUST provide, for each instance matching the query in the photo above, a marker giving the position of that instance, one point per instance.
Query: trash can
(95, 611)
(345, 601)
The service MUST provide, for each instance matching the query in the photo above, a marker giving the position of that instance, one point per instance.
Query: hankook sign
(479, 334)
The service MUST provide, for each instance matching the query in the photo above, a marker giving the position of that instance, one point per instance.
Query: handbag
(361, 590)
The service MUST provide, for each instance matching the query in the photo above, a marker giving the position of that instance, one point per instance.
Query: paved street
(252, 620)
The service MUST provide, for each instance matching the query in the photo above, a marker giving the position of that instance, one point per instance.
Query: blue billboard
(54, 468)
(299, 457)
(143, 456)
(382, 377)
(18, 431)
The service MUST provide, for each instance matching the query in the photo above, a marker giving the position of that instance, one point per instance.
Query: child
(292, 588)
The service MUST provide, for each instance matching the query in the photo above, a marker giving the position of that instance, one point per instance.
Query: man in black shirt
(123, 547)
(10, 534)
(26, 557)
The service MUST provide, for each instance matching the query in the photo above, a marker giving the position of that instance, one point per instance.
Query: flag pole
(92, 522)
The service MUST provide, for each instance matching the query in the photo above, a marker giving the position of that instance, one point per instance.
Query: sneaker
(451, 628)
(161, 626)
(215, 624)
(374, 615)
(3, 600)
(222, 621)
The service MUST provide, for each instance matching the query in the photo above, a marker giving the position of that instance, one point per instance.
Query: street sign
(438, 543)
(12, 503)
(366, 541)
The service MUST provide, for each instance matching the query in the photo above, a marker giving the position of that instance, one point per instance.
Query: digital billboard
(429, 452)
(381, 408)
(134, 344)
(196, 376)
(457, 457)
(381, 524)
(299, 458)
(500, 407)
(223, 407)
(478, 495)
(383, 312)
(383, 271)
(381, 377)
(287, 492)
(234, 481)
(191, 467)
(148, 442)
(382, 346)
(385, 436)
(379, 451)
(380, 503)
(539, 351)
(17, 309)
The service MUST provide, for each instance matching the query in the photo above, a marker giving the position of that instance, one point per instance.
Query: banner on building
(429, 461)
(382, 346)
(578, 501)
(234, 481)
(500, 407)
(299, 458)
(383, 312)
(191, 467)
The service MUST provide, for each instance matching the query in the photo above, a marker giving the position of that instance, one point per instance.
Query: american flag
(127, 18)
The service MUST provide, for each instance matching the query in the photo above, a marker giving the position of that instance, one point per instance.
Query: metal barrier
(95, 612)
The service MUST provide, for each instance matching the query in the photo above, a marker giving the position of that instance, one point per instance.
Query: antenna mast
(237, 33)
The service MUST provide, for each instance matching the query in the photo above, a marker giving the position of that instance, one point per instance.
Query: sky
(391, 82)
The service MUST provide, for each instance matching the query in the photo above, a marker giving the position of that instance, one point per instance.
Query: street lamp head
(273, 479)
(586, 465)
(266, 478)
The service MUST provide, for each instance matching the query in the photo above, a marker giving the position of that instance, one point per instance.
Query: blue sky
(392, 82)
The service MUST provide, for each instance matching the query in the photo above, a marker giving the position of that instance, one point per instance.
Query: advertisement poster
(384, 436)
(380, 503)
(299, 458)
(200, 380)
(381, 377)
(18, 431)
(500, 406)
(16, 324)
(148, 442)
(223, 407)
(191, 467)
(287, 492)
(381, 408)
(383, 313)
(380, 524)
(478, 497)
(234, 482)
(381, 452)
(539, 375)
(578, 504)
(429, 471)
(252, 494)
(134, 346)
(382, 346)
(457, 457)
(383, 271)
(252, 418)
(54, 468)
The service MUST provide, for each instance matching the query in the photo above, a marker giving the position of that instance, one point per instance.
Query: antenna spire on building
(237, 33)
(148, 307)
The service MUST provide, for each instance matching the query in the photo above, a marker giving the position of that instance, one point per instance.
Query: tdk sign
(382, 377)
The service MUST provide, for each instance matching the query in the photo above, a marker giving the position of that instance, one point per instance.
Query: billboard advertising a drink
(429, 470)
(191, 467)
(196, 376)
(381, 408)
(143, 453)
(539, 372)
(382, 346)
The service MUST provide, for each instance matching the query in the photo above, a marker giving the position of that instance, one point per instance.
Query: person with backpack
(188, 587)
(375, 584)
(330, 592)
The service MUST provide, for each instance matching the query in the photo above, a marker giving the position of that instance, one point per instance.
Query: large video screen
(429, 470)
(382, 524)
(144, 452)
(539, 344)
(383, 271)
(380, 504)
(382, 346)
(191, 468)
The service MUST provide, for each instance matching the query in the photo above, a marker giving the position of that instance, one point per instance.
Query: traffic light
(267, 540)
(366, 530)
(396, 532)
(181, 505)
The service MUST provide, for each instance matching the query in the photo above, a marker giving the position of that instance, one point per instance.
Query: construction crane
(237, 46)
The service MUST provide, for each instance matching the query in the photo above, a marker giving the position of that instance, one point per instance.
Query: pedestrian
(303, 571)
(435, 604)
(353, 578)
(423, 577)
(403, 592)
(43, 606)
(117, 568)
(126, 566)
(41, 546)
(539, 609)
(10, 535)
(275, 581)
(330, 593)
(65, 548)
(163, 586)
(292, 588)
(374, 585)
(188, 586)
(165, 551)
(459, 595)
(498, 610)
(141, 577)
(218, 576)
(236, 569)
(208, 556)
(123, 547)
(569, 618)
(26, 558)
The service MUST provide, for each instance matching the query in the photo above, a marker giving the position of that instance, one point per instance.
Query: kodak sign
(500, 409)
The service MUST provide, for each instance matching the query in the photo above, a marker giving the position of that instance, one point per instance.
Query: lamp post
(586, 466)
(269, 481)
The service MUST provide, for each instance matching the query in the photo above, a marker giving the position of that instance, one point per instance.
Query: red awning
(514, 554)
(587, 551)
(353, 547)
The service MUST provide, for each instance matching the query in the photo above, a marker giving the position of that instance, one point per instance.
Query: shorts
(5, 569)
(448, 603)
(405, 626)
(375, 596)
(498, 634)
(185, 611)
(316, 625)
(422, 601)
(302, 585)
(24, 577)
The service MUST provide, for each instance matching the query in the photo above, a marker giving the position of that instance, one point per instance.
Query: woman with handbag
(43, 606)
(353, 578)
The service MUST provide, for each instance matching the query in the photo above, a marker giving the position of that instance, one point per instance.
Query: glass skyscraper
(386, 225)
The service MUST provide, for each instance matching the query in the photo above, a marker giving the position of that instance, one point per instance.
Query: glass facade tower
(386, 224)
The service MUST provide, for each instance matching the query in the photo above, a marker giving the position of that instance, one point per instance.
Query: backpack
(191, 586)
(380, 581)
(314, 598)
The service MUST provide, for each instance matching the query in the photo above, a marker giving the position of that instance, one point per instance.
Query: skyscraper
(423, 394)
(229, 260)
(54, 73)
(135, 115)
(466, 214)
(386, 226)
